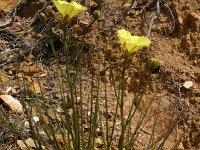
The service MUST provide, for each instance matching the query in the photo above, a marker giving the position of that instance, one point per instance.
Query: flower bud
(42, 17)
(78, 28)
(155, 64)
(96, 14)
(37, 36)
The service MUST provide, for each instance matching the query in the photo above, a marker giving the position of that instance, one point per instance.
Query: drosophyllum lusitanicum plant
(130, 45)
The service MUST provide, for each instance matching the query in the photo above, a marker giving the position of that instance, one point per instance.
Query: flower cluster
(129, 43)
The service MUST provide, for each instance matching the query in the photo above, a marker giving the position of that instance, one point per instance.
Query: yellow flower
(68, 10)
(131, 43)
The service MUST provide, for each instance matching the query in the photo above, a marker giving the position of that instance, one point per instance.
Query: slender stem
(121, 145)
(76, 142)
(116, 108)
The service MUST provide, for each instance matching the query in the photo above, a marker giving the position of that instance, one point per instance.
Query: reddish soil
(175, 42)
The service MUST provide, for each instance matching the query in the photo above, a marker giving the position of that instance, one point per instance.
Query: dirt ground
(175, 42)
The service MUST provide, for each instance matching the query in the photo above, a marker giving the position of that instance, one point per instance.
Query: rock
(21, 145)
(12, 103)
(180, 147)
(30, 143)
(19, 75)
(98, 142)
(188, 84)
(3, 78)
(45, 119)
(8, 89)
(26, 124)
(180, 23)
(36, 119)
(28, 70)
(192, 22)
(60, 109)
(34, 111)
(34, 88)
(59, 139)
(8, 5)
(186, 43)
(51, 112)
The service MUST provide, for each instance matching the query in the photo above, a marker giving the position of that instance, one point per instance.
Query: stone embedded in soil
(98, 142)
(8, 89)
(21, 145)
(3, 78)
(8, 5)
(59, 139)
(30, 69)
(53, 114)
(60, 109)
(36, 119)
(30, 143)
(188, 84)
(26, 124)
(186, 43)
(180, 147)
(20, 75)
(34, 88)
(45, 119)
(192, 21)
(12, 103)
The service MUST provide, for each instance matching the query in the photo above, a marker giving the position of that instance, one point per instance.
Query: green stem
(76, 142)
(121, 145)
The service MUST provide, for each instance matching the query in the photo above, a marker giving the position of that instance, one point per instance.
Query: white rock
(12, 103)
(59, 109)
(36, 119)
(188, 84)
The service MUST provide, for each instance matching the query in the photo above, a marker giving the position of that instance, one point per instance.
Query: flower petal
(76, 9)
(123, 35)
(61, 6)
